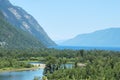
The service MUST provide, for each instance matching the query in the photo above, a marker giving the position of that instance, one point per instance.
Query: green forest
(87, 64)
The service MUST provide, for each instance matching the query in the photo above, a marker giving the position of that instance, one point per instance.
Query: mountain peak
(22, 20)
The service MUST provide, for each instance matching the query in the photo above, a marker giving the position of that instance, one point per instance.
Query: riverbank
(39, 65)
(18, 69)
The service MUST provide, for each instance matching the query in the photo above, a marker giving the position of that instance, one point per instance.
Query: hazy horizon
(64, 19)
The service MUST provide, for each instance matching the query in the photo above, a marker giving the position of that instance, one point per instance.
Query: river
(25, 75)
(21, 75)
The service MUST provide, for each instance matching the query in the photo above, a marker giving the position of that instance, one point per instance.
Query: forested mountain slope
(12, 37)
(21, 19)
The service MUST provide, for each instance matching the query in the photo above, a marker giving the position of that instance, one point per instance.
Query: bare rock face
(12, 37)
(21, 19)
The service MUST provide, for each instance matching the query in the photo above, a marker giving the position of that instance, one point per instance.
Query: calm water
(22, 75)
(86, 48)
(68, 65)
(25, 75)
(35, 63)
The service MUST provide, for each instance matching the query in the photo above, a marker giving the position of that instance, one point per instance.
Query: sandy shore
(81, 64)
(39, 65)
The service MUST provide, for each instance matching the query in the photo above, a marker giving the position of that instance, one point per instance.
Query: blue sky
(64, 19)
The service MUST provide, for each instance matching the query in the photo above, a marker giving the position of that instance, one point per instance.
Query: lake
(86, 48)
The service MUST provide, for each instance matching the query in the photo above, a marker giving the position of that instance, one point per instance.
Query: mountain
(21, 19)
(101, 38)
(12, 37)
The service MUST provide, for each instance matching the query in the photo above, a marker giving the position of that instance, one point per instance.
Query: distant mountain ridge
(21, 19)
(102, 38)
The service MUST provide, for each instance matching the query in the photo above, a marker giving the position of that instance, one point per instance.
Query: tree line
(99, 64)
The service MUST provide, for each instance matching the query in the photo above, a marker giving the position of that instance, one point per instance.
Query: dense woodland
(18, 58)
(98, 64)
